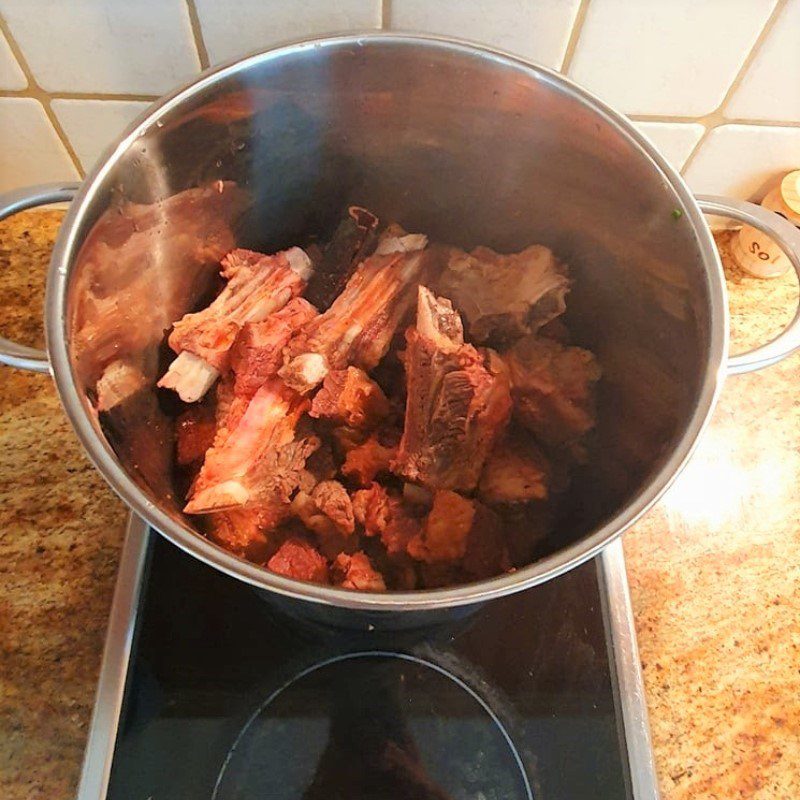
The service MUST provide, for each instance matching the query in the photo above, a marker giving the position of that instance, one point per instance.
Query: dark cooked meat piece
(326, 510)
(486, 554)
(553, 389)
(258, 285)
(384, 514)
(515, 472)
(356, 572)
(257, 353)
(458, 401)
(195, 431)
(257, 455)
(298, 559)
(504, 297)
(357, 329)
(350, 243)
(366, 461)
(350, 397)
(447, 526)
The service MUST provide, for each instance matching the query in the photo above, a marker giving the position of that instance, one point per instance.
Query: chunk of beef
(351, 242)
(458, 401)
(553, 389)
(326, 510)
(357, 572)
(257, 353)
(486, 554)
(366, 461)
(383, 514)
(195, 430)
(256, 455)
(257, 286)
(298, 559)
(357, 329)
(516, 471)
(504, 297)
(447, 526)
(350, 397)
(242, 532)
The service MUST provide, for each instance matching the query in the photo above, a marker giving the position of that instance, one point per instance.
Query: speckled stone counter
(714, 570)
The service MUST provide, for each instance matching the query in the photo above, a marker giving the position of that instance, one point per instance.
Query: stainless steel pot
(471, 146)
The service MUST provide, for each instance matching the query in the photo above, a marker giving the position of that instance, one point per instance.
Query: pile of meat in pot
(381, 413)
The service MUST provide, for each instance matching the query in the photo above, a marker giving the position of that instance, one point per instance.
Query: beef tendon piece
(350, 397)
(364, 462)
(326, 510)
(517, 471)
(358, 328)
(504, 297)
(257, 353)
(254, 452)
(350, 243)
(553, 389)
(446, 530)
(356, 572)
(458, 401)
(383, 514)
(300, 560)
(257, 286)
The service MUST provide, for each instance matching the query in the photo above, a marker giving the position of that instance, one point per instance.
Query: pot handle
(788, 237)
(11, 353)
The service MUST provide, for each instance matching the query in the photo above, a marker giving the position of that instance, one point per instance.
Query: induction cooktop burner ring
(499, 725)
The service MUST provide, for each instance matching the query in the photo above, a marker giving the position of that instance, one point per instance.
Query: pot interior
(468, 147)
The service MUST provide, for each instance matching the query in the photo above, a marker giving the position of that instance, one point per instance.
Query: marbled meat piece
(458, 401)
(383, 514)
(358, 327)
(364, 462)
(446, 530)
(252, 459)
(326, 510)
(298, 559)
(350, 397)
(350, 243)
(504, 297)
(257, 353)
(517, 471)
(356, 572)
(258, 285)
(553, 389)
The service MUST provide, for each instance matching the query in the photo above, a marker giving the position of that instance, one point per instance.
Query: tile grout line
(574, 36)
(386, 14)
(149, 98)
(197, 35)
(718, 112)
(36, 92)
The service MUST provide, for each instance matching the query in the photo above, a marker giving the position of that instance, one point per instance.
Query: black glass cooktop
(228, 698)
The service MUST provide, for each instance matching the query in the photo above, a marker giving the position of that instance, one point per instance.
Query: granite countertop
(714, 569)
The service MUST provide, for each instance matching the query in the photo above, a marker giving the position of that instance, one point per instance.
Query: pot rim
(103, 457)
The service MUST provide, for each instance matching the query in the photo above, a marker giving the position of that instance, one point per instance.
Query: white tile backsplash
(674, 140)
(138, 47)
(92, 125)
(672, 62)
(675, 57)
(30, 150)
(11, 75)
(537, 30)
(744, 160)
(770, 88)
(236, 27)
